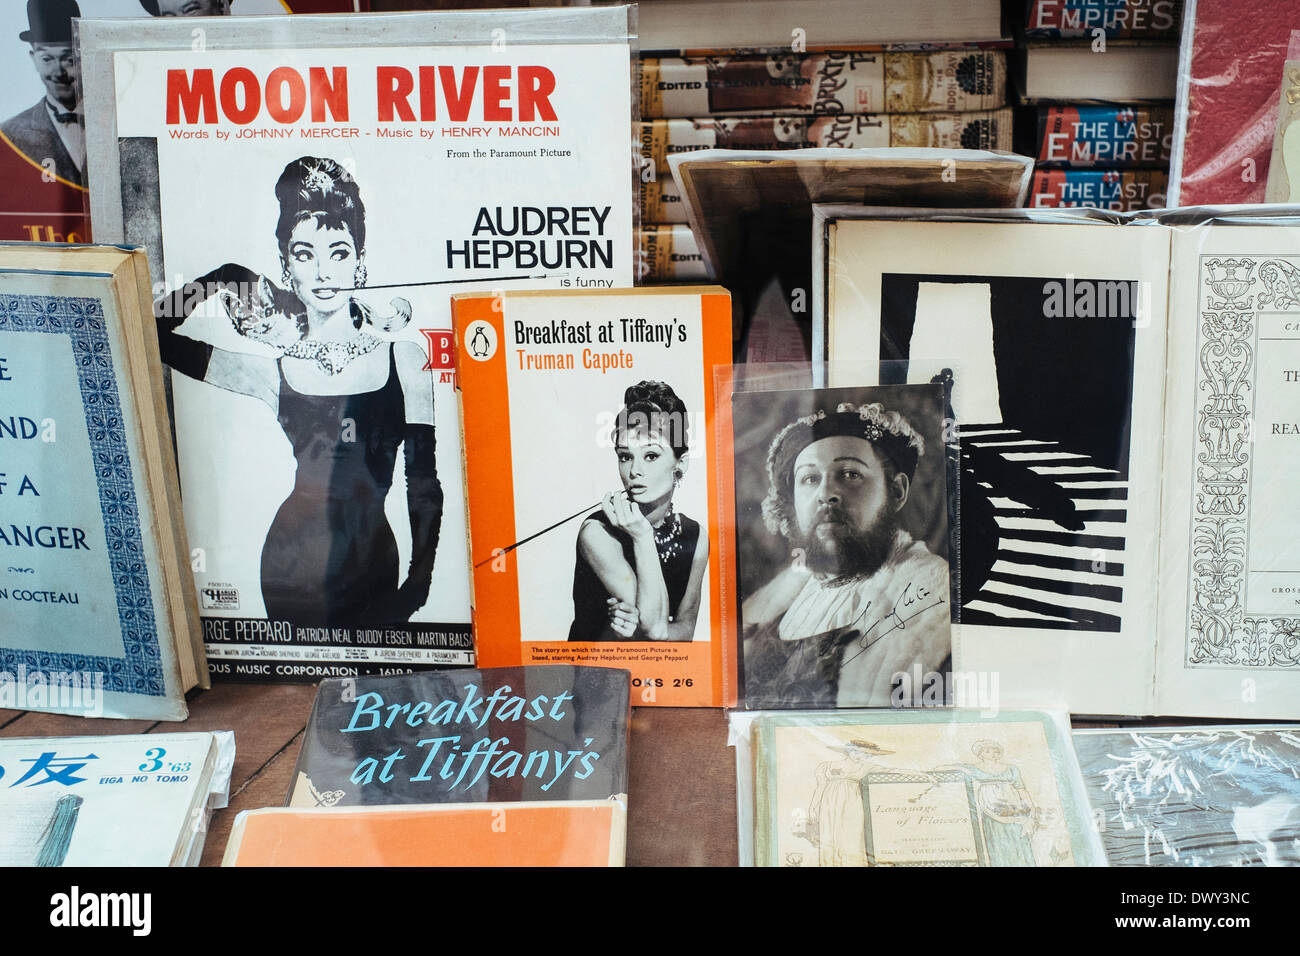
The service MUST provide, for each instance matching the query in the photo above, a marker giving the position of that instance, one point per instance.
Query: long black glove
(181, 353)
(424, 502)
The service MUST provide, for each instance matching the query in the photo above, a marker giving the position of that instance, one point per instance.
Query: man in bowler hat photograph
(186, 8)
(50, 131)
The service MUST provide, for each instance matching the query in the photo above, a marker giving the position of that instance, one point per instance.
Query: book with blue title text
(466, 736)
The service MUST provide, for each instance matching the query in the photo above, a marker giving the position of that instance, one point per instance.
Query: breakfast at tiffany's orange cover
(591, 475)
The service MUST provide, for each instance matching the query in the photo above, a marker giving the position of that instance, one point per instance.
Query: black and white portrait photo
(641, 560)
(186, 8)
(40, 106)
(842, 542)
(49, 132)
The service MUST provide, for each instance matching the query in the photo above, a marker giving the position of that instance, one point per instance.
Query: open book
(1127, 391)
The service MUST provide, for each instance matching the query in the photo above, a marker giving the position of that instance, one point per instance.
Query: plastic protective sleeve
(1230, 73)
(98, 40)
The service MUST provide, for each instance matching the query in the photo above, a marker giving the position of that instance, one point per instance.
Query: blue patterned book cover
(87, 620)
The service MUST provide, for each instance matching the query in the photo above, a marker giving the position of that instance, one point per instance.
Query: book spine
(1053, 19)
(1114, 189)
(669, 253)
(1110, 136)
(661, 138)
(661, 201)
(824, 83)
(884, 46)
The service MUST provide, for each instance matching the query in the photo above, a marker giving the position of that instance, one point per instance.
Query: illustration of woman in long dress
(837, 820)
(640, 563)
(346, 399)
(1006, 810)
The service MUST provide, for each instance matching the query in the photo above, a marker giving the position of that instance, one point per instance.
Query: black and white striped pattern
(1047, 575)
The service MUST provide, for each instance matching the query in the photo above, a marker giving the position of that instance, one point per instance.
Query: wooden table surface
(682, 776)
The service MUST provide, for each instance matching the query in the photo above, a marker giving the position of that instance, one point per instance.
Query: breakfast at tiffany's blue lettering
(20, 485)
(457, 757)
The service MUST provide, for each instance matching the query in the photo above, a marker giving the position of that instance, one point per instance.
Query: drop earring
(359, 277)
(285, 277)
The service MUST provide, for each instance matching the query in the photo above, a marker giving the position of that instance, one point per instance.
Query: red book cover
(36, 202)
(1230, 72)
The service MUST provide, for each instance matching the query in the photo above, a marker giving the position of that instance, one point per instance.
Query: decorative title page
(1230, 640)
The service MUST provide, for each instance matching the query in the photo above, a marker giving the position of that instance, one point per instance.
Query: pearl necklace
(333, 357)
(668, 536)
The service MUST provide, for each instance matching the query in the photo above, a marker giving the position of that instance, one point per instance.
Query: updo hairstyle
(321, 190)
(654, 407)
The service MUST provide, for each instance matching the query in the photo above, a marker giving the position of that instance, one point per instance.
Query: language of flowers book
(919, 788)
(1195, 796)
(568, 833)
(141, 800)
(311, 189)
(1124, 392)
(98, 615)
(592, 479)
(466, 736)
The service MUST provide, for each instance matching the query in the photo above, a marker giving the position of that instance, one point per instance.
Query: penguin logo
(480, 341)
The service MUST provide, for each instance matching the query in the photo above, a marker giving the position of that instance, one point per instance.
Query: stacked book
(952, 98)
(1099, 78)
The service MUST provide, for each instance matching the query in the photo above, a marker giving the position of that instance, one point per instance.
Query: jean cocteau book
(98, 613)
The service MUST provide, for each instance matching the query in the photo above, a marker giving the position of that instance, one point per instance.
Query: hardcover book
(1195, 796)
(1051, 19)
(466, 736)
(668, 253)
(1118, 190)
(98, 613)
(1122, 392)
(591, 474)
(824, 83)
(765, 24)
(925, 788)
(111, 801)
(986, 129)
(1107, 136)
(569, 833)
(661, 199)
(1231, 63)
(1074, 71)
(307, 331)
